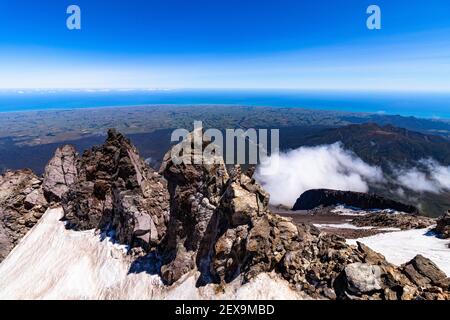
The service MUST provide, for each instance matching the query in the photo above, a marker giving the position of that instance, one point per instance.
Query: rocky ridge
(202, 217)
(394, 220)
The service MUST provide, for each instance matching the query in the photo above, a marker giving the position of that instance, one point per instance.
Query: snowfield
(400, 247)
(51, 262)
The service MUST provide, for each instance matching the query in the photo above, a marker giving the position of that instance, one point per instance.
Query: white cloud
(429, 176)
(327, 166)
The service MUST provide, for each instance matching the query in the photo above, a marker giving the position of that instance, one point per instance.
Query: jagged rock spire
(110, 186)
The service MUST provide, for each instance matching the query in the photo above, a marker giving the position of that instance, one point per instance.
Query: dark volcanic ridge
(205, 218)
(316, 198)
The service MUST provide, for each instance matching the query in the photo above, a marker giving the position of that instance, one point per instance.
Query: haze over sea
(420, 104)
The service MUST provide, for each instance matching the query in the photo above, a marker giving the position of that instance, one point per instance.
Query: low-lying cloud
(327, 166)
(428, 176)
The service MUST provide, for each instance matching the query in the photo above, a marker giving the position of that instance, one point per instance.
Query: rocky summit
(110, 187)
(207, 219)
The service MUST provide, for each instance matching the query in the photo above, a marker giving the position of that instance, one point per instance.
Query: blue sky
(291, 44)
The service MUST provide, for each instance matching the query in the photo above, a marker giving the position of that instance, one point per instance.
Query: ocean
(423, 105)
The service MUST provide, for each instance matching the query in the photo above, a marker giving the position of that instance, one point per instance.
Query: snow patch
(351, 211)
(401, 247)
(51, 262)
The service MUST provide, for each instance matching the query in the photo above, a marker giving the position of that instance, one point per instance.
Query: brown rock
(115, 188)
(401, 221)
(60, 173)
(22, 203)
(443, 226)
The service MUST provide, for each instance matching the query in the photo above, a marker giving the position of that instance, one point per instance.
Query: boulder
(443, 226)
(362, 278)
(423, 272)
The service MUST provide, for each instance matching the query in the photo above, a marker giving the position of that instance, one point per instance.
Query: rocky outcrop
(443, 226)
(195, 194)
(60, 173)
(110, 187)
(22, 204)
(425, 274)
(312, 199)
(400, 221)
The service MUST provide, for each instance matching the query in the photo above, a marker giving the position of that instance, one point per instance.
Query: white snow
(341, 226)
(51, 262)
(350, 211)
(401, 247)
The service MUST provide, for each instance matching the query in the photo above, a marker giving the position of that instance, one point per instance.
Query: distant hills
(382, 145)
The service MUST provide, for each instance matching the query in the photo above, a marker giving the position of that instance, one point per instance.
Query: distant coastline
(421, 105)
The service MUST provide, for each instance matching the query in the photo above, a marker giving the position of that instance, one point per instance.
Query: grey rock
(363, 277)
(60, 173)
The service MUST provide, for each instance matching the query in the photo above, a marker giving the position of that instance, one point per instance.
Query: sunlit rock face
(110, 187)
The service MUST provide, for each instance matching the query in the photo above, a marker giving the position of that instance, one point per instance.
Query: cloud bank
(428, 176)
(327, 166)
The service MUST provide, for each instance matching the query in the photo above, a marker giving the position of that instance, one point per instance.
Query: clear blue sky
(319, 44)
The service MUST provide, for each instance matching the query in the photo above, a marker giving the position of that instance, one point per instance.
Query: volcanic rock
(115, 188)
(362, 277)
(195, 192)
(22, 204)
(60, 173)
(443, 226)
(424, 273)
(312, 199)
(400, 221)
